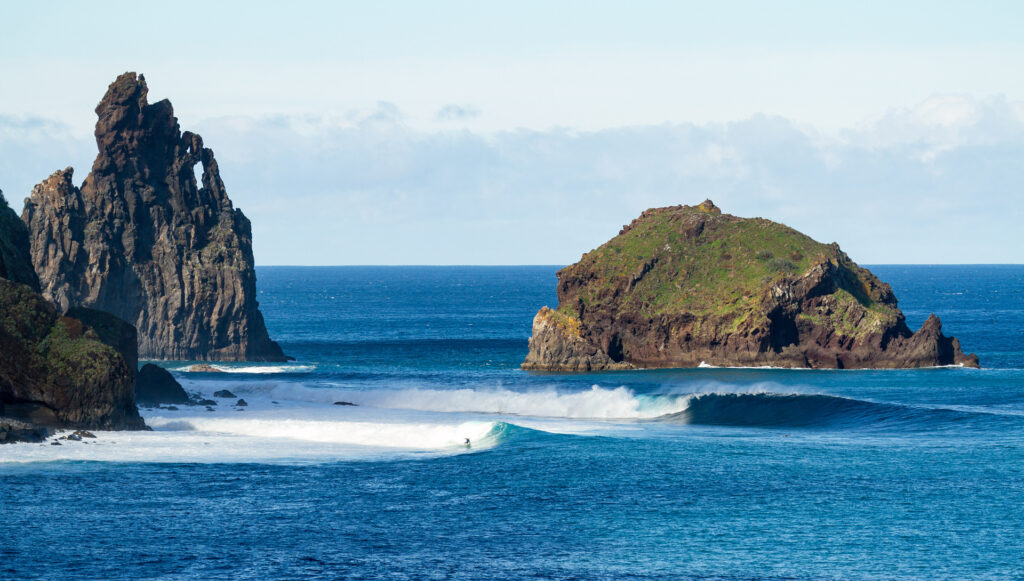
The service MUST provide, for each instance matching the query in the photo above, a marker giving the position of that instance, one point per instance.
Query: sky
(530, 132)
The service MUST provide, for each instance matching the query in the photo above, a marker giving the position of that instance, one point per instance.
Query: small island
(686, 286)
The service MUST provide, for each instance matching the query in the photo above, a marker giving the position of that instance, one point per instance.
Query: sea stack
(142, 238)
(688, 285)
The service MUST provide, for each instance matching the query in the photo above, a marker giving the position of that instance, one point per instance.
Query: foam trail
(220, 437)
(410, 436)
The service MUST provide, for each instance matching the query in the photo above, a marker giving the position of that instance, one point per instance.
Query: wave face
(808, 411)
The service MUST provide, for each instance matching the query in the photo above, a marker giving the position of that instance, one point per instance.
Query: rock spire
(145, 240)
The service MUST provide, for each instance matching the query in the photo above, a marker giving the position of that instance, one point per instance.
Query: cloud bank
(935, 183)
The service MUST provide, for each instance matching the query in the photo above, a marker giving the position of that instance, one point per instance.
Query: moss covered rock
(686, 285)
(55, 371)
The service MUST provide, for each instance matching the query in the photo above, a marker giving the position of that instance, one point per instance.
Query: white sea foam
(595, 403)
(256, 369)
(409, 436)
(270, 435)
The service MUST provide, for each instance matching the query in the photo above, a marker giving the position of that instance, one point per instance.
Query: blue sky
(529, 132)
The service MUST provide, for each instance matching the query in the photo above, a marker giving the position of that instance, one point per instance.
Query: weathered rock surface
(683, 285)
(144, 240)
(155, 386)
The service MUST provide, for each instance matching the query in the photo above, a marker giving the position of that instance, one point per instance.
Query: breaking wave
(595, 403)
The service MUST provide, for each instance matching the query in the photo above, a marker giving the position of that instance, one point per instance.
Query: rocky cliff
(145, 240)
(15, 262)
(686, 285)
(55, 371)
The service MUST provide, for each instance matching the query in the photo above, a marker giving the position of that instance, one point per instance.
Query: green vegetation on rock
(686, 285)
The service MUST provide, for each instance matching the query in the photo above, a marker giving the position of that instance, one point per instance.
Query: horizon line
(564, 265)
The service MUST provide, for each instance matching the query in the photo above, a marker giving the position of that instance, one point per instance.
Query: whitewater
(292, 421)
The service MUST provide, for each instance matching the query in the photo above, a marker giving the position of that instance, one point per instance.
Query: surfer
(467, 442)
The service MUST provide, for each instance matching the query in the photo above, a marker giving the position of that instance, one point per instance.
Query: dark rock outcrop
(112, 331)
(224, 394)
(155, 386)
(54, 370)
(682, 286)
(15, 261)
(13, 431)
(146, 241)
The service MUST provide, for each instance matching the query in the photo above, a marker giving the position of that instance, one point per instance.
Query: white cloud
(938, 182)
(452, 112)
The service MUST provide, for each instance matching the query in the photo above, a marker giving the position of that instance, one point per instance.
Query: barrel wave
(822, 411)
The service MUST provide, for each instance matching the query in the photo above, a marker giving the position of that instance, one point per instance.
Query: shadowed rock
(155, 386)
(55, 372)
(146, 241)
(15, 260)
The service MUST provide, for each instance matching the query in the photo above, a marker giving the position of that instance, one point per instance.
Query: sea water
(698, 473)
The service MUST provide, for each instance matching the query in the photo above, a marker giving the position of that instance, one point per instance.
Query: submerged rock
(203, 368)
(686, 285)
(224, 393)
(145, 240)
(155, 385)
(241, 403)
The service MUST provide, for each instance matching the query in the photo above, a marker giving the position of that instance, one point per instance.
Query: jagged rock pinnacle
(143, 239)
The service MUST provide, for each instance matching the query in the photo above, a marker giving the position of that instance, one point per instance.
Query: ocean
(666, 474)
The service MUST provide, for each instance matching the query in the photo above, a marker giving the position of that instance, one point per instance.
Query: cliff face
(55, 371)
(145, 241)
(683, 285)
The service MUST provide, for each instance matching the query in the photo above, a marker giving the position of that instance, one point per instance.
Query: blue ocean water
(666, 474)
